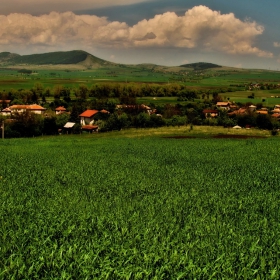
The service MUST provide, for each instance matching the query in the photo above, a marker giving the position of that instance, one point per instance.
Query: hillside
(200, 66)
(52, 58)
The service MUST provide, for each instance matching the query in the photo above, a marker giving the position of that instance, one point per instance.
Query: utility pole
(3, 130)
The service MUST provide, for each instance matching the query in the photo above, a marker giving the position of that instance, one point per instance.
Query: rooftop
(88, 113)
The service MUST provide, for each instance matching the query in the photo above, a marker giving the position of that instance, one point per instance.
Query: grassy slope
(52, 58)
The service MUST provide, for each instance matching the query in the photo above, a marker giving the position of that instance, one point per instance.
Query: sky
(236, 33)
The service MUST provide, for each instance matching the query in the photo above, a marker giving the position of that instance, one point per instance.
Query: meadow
(140, 204)
(217, 80)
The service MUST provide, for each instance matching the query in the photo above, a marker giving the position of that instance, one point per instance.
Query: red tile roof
(60, 108)
(262, 112)
(89, 127)
(36, 107)
(104, 111)
(27, 107)
(88, 113)
(6, 110)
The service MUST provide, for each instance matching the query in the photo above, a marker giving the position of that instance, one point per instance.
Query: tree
(50, 127)
(264, 121)
(27, 124)
(142, 120)
(61, 120)
(83, 92)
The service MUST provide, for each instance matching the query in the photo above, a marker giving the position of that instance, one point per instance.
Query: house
(6, 112)
(262, 112)
(87, 117)
(240, 111)
(4, 103)
(36, 109)
(276, 111)
(208, 113)
(223, 105)
(276, 115)
(252, 108)
(60, 110)
(135, 108)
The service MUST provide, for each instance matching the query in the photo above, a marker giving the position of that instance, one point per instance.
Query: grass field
(138, 205)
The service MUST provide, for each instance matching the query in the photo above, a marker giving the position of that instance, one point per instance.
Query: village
(227, 114)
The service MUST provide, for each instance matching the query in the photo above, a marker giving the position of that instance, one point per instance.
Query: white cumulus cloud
(200, 28)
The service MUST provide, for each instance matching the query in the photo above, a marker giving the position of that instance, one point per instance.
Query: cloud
(148, 36)
(276, 45)
(200, 28)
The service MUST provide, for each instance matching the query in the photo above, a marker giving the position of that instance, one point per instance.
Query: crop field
(12, 79)
(107, 206)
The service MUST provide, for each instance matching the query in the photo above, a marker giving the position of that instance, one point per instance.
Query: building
(208, 113)
(223, 105)
(87, 117)
(34, 108)
(60, 110)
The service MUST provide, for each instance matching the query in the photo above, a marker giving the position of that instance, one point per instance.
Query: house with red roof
(5, 102)
(60, 110)
(6, 112)
(87, 117)
(34, 108)
(209, 113)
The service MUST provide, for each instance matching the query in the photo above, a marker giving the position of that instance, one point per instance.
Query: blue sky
(230, 33)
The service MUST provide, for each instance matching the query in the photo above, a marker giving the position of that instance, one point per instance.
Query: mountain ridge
(80, 59)
(52, 58)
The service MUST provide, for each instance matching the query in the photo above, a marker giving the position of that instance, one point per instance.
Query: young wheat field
(95, 207)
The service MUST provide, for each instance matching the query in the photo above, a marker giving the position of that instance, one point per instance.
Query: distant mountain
(52, 58)
(200, 66)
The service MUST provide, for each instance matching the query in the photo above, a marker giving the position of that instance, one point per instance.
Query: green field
(228, 82)
(137, 205)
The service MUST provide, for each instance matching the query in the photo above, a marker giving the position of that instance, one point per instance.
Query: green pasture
(48, 78)
(241, 77)
(136, 204)
(271, 97)
(160, 101)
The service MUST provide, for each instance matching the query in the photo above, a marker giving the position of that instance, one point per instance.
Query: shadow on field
(218, 136)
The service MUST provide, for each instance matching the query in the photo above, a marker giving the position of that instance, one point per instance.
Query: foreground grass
(114, 206)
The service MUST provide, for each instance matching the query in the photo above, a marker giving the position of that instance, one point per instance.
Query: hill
(200, 66)
(53, 58)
